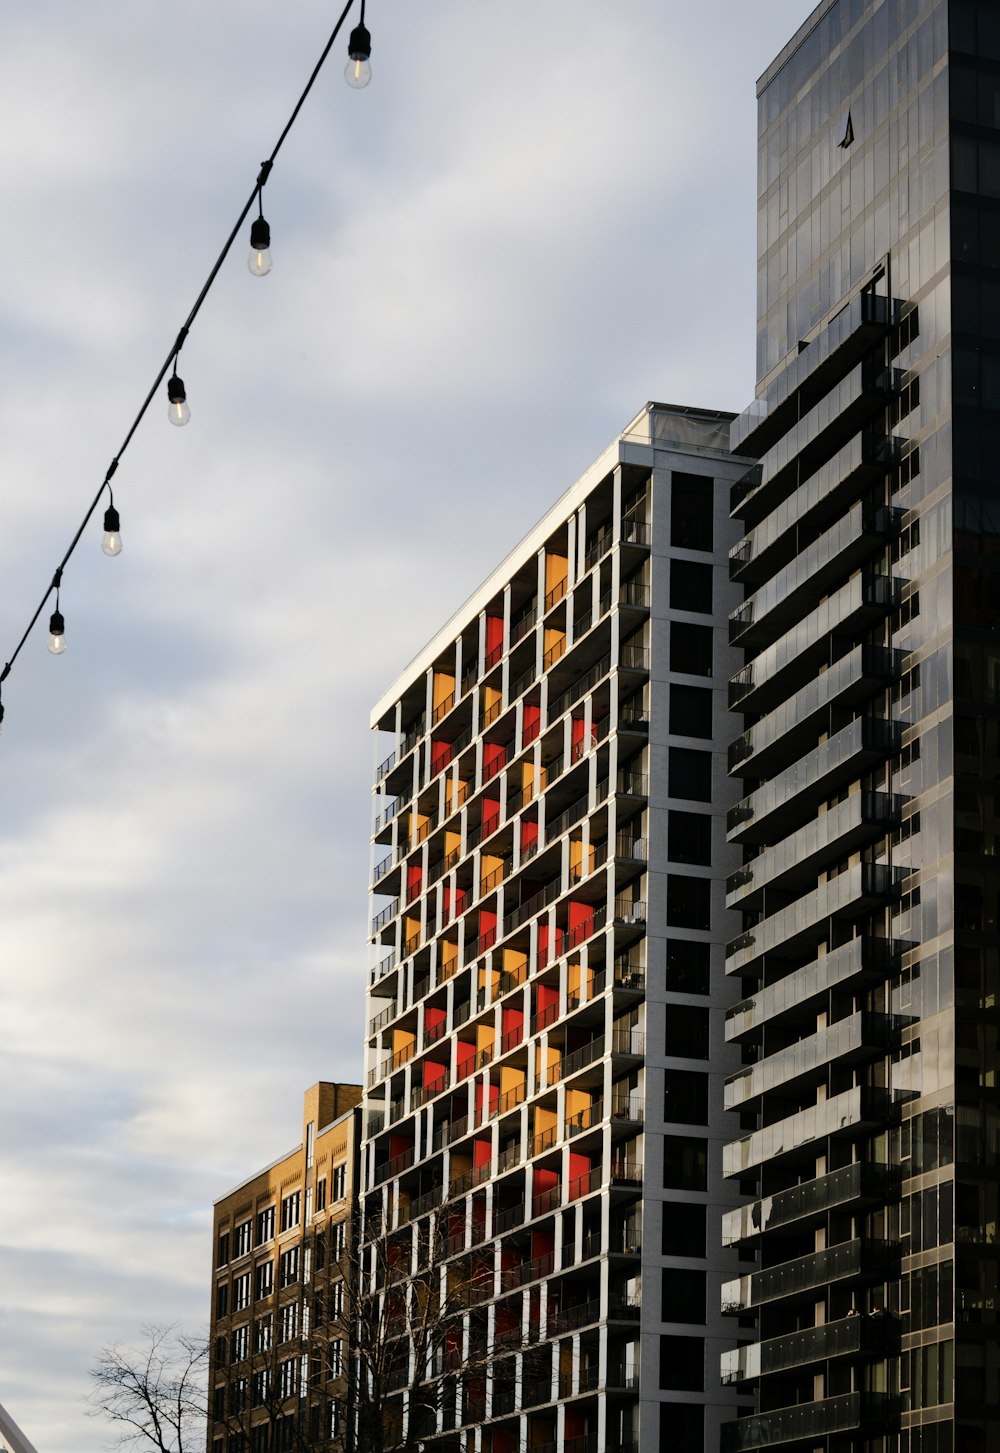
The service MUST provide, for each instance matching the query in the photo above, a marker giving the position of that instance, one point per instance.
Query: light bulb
(57, 634)
(259, 261)
(358, 71)
(178, 413)
(111, 541)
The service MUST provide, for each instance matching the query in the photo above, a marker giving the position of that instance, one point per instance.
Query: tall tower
(870, 1126)
(546, 994)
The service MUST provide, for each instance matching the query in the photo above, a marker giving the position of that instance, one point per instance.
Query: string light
(358, 71)
(57, 632)
(259, 261)
(179, 410)
(176, 394)
(111, 541)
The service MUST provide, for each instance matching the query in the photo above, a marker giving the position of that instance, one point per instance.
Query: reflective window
(682, 1364)
(685, 1163)
(691, 511)
(682, 1295)
(691, 711)
(691, 586)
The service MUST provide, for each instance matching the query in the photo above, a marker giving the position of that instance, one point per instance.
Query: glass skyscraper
(865, 1308)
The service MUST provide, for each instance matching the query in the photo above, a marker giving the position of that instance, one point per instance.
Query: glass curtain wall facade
(869, 760)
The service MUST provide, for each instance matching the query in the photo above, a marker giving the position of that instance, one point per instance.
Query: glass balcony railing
(797, 655)
(793, 796)
(860, 1036)
(823, 495)
(831, 837)
(850, 1260)
(858, 957)
(842, 1114)
(780, 735)
(806, 919)
(811, 574)
(868, 1412)
(846, 337)
(837, 414)
(855, 1336)
(860, 1183)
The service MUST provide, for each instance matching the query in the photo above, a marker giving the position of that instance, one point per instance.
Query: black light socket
(175, 390)
(260, 235)
(359, 47)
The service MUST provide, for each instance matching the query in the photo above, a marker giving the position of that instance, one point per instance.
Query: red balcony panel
(581, 916)
(542, 1182)
(494, 757)
(550, 944)
(512, 1028)
(441, 754)
(434, 1073)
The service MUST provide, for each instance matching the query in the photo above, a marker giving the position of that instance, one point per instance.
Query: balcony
(806, 919)
(859, 1260)
(794, 796)
(861, 1036)
(859, 1184)
(820, 432)
(868, 1413)
(579, 688)
(385, 916)
(795, 723)
(794, 997)
(795, 861)
(854, 1337)
(820, 499)
(841, 344)
(635, 531)
(797, 656)
(810, 575)
(862, 1108)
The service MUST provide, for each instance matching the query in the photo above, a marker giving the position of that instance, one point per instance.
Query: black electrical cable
(172, 356)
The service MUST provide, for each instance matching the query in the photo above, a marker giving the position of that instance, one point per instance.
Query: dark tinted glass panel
(690, 649)
(682, 1364)
(683, 1296)
(683, 1229)
(687, 966)
(690, 774)
(689, 837)
(691, 586)
(685, 1163)
(685, 1097)
(688, 902)
(691, 711)
(691, 511)
(685, 1032)
(682, 1428)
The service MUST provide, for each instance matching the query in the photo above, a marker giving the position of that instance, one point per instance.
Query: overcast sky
(537, 217)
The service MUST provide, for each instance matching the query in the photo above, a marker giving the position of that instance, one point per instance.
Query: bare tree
(154, 1395)
(413, 1317)
(157, 1396)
